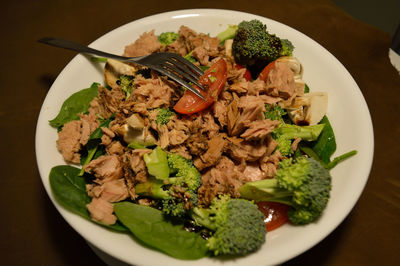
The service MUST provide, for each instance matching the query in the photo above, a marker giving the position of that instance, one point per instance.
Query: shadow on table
(46, 81)
(68, 245)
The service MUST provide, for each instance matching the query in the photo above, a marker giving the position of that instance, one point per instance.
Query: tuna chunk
(224, 178)
(111, 191)
(259, 129)
(145, 45)
(252, 172)
(102, 211)
(68, 142)
(246, 150)
(213, 154)
(152, 92)
(252, 108)
(104, 168)
(280, 82)
(89, 124)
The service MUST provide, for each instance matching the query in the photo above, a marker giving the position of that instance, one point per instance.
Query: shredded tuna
(145, 45)
(224, 178)
(105, 168)
(68, 142)
(102, 211)
(295, 144)
(115, 147)
(213, 154)
(252, 108)
(259, 129)
(153, 92)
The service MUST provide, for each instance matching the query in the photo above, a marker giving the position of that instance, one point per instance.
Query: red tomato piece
(275, 214)
(214, 80)
(247, 74)
(265, 72)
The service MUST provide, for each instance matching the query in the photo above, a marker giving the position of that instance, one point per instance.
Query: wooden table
(32, 231)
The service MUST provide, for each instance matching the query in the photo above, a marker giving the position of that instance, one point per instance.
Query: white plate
(347, 111)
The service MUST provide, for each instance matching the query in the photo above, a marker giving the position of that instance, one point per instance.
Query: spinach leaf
(92, 149)
(325, 145)
(150, 226)
(75, 104)
(69, 190)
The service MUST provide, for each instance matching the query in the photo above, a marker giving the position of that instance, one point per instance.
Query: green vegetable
(164, 116)
(340, 159)
(91, 149)
(69, 190)
(135, 145)
(157, 163)
(166, 38)
(151, 227)
(285, 133)
(229, 33)
(274, 112)
(310, 152)
(254, 47)
(98, 59)
(178, 192)
(287, 48)
(192, 59)
(126, 83)
(77, 103)
(304, 184)
(238, 226)
(325, 146)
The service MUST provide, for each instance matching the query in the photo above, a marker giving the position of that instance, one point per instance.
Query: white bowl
(347, 111)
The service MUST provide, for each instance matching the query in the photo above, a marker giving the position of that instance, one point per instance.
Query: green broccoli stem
(266, 190)
(152, 189)
(202, 217)
(308, 133)
(229, 33)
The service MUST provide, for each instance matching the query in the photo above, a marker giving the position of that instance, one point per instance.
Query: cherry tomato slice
(265, 72)
(214, 79)
(275, 214)
(247, 74)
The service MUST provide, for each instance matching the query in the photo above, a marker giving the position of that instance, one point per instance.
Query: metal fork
(171, 65)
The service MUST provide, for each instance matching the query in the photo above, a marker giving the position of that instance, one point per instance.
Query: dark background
(31, 230)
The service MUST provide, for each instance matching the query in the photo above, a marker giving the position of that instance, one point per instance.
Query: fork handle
(70, 45)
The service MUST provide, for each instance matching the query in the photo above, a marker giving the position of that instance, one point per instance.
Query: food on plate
(193, 177)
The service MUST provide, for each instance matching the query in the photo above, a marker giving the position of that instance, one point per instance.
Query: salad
(193, 177)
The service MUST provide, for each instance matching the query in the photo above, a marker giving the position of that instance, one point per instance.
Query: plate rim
(205, 12)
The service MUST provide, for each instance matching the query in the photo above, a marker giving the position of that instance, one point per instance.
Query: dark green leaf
(77, 103)
(325, 145)
(69, 190)
(92, 149)
(306, 89)
(150, 226)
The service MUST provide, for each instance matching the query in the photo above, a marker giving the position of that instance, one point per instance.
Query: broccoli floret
(229, 33)
(163, 116)
(304, 184)
(166, 38)
(174, 181)
(238, 226)
(285, 133)
(287, 48)
(126, 84)
(274, 112)
(254, 47)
